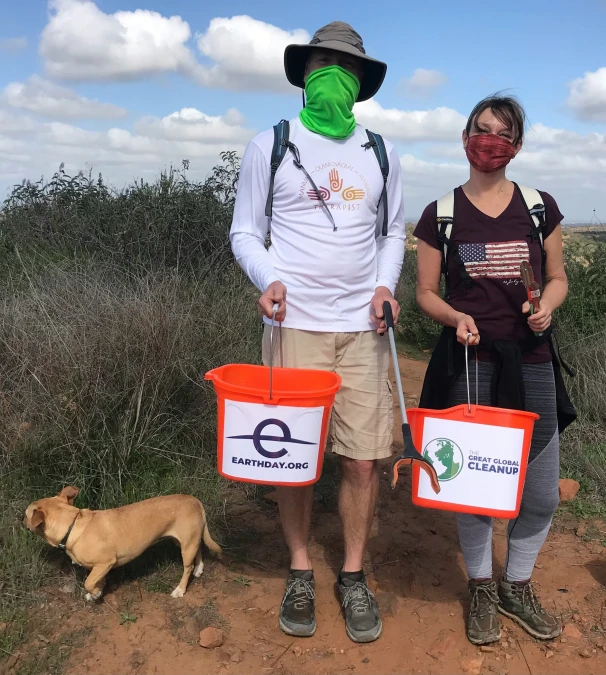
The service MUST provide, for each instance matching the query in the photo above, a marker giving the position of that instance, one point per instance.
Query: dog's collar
(63, 542)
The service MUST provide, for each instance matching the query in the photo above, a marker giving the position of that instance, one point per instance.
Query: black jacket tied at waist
(507, 386)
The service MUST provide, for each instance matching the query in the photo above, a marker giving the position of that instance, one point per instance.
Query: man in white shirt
(337, 246)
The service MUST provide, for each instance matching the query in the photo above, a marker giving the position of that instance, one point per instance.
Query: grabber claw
(412, 456)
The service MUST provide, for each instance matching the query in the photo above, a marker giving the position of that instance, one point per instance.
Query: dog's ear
(37, 518)
(69, 493)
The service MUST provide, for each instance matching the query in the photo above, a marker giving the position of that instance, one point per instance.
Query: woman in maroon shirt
(486, 299)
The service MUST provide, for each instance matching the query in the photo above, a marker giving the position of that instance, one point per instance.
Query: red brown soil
(415, 567)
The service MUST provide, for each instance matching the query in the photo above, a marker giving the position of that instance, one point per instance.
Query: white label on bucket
(477, 464)
(271, 443)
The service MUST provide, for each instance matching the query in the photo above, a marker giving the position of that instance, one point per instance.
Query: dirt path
(414, 565)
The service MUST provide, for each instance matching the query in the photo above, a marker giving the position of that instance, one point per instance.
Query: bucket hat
(340, 37)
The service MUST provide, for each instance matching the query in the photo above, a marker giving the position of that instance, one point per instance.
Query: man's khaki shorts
(362, 418)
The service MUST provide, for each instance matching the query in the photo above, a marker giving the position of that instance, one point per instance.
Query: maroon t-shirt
(491, 250)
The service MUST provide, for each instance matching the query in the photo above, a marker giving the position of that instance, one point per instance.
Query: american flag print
(499, 260)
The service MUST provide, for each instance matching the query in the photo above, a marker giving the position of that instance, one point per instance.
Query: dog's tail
(210, 542)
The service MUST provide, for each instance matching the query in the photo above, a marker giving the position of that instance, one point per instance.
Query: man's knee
(362, 472)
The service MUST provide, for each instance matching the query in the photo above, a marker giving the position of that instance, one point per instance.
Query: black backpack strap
(376, 142)
(280, 147)
(538, 218)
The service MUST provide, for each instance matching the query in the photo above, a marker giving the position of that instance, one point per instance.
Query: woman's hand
(540, 321)
(465, 326)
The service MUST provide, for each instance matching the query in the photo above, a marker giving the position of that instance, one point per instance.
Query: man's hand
(383, 294)
(466, 325)
(540, 321)
(275, 292)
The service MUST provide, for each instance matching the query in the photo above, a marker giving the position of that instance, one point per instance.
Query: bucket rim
(487, 408)
(215, 376)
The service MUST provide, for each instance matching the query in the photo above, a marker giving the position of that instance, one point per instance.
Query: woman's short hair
(507, 109)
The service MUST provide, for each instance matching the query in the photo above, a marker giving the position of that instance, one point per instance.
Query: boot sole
(485, 641)
(529, 629)
(368, 636)
(297, 630)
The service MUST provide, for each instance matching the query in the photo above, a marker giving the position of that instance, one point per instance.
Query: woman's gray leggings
(525, 534)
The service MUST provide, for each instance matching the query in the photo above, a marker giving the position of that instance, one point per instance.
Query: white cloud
(13, 45)
(29, 148)
(248, 54)
(423, 82)
(81, 42)
(190, 124)
(588, 96)
(411, 125)
(45, 98)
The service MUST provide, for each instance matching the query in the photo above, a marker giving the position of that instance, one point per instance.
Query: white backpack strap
(445, 219)
(535, 207)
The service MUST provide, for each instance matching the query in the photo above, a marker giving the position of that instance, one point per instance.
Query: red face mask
(488, 153)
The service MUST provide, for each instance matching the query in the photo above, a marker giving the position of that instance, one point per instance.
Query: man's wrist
(384, 290)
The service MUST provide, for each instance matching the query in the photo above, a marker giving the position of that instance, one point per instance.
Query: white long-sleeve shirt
(330, 276)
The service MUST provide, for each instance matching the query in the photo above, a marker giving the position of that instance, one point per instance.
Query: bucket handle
(467, 372)
(271, 350)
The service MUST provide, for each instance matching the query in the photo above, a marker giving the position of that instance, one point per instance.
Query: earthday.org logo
(446, 458)
(258, 437)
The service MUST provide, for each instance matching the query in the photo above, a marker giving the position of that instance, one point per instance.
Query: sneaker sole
(367, 636)
(296, 629)
(529, 629)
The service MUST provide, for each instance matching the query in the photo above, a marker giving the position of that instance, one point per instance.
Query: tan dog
(101, 540)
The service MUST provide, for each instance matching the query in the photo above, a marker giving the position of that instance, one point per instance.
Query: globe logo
(446, 458)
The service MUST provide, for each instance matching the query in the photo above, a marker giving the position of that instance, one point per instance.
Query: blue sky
(105, 84)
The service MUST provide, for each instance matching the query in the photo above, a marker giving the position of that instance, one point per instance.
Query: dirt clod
(572, 632)
(210, 638)
(568, 489)
(472, 666)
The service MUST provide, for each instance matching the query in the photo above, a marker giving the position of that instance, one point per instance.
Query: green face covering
(330, 94)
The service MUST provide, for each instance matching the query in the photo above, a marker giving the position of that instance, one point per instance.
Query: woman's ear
(465, 138)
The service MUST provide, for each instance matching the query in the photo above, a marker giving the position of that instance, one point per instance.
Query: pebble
(366, 660)
(487, 650)
(210, 638)
(585, 654)
(572, 632)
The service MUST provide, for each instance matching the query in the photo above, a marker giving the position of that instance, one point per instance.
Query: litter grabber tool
(410, 455)
(532, 288)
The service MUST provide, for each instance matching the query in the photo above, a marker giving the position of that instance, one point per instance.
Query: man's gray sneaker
(483, 622)
(297, 611)
(362, 620)
(519, 603)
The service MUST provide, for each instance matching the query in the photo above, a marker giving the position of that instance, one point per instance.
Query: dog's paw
(90, 597)
(177, 593)
(198, 569)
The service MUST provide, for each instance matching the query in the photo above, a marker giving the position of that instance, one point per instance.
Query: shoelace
(478, 603)
(359, 597)
(302, 595)
(528, 597)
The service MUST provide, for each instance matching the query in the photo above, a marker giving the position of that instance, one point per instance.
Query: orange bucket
(272, 422)
(480, 454)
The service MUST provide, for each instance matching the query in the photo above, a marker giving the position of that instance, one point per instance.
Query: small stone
(563, 640)
(576, 618)
(235, 655)
(43, 638)
(68, 589)
(472, 666)
(572, 632)
(451, 614)
(568, 489)
(487, 650)
(548, 655)
(211, 638)
(585, 654)
(508, 657)
(366, 660)
(297, 651)
(341, 652)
